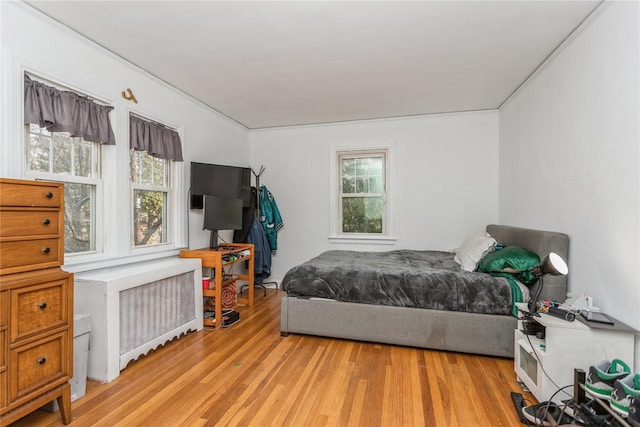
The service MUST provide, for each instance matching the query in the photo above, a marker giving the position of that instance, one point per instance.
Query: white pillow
(473, 249)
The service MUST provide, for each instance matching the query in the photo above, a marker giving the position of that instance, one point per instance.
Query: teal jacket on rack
(270, 217)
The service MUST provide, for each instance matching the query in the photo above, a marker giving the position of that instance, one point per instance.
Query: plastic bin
(81, 330)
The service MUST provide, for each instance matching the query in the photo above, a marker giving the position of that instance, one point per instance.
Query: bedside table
(546, 364)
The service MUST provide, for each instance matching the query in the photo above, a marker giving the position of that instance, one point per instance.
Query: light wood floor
(248, 375)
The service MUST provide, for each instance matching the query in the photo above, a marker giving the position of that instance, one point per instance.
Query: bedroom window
(362, 183)
(150, 190)
(56, 156)
(64, 134)
(155, 151)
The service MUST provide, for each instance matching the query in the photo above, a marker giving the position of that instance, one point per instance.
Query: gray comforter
(423, 279)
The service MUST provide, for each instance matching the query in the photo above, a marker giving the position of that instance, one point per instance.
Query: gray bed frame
(433, 329)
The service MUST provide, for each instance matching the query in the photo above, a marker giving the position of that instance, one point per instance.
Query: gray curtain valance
(154, 138)
(65, 111)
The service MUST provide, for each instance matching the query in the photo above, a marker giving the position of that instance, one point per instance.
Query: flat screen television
(232, 182)
(221, 213)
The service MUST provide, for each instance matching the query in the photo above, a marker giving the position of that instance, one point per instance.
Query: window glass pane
(348, 175)
(158, 171)
(362, 175)
(38, 153)
(134, 168)
(376, 184)
(83, 157)
(362, 214)
(62, 156)
(148, 170)
(79, 205)
(362, 167)
(149, 212)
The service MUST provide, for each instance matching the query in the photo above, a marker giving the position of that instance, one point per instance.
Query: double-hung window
(56, 156)
(362, 208)
(150, 186)
(154, 149)
(65, 132)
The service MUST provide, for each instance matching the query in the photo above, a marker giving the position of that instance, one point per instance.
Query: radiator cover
(136, 308)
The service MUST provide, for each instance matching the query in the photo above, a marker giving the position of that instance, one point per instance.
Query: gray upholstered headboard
(540, 242)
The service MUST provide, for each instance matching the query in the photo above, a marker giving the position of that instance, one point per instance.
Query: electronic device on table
(593, 316)
(232, 182)
(222, 191)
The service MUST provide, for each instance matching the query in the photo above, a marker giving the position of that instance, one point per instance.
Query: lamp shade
(551, 264)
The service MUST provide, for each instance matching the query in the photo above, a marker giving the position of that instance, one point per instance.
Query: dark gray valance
(65, 111)
(154, 138)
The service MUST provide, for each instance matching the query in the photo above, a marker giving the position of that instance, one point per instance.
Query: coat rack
(257, 175)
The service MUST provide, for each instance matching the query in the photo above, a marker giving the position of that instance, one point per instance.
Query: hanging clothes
(270, 217)
(261, 252)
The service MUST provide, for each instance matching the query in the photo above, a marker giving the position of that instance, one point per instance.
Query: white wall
(31, 41)
(445, 180)
(569, 158)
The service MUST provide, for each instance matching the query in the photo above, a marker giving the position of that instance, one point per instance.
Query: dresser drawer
(30, 193)
(39, 308)
(39, 365)
(30, 254)
(14, 223)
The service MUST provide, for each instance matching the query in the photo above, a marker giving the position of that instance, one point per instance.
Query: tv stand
(218, 258)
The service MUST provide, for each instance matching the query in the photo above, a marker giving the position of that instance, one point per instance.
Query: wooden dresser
(36, 300)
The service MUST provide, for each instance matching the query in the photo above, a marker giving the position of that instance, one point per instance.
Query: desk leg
(251, 280)
(218, 302)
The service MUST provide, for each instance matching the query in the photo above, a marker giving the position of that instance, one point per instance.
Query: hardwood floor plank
(248, 375)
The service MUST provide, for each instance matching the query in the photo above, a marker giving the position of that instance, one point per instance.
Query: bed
(441, 325)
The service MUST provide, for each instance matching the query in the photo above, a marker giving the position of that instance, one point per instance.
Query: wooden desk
(213, 258)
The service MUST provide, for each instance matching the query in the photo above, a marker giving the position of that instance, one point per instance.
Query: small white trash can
(81, 330)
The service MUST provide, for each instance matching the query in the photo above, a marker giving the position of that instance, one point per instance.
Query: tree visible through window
(362, 192)
(56, 156)
(149, 181)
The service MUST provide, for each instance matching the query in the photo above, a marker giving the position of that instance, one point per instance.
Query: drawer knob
(42, 305)
(42, 360)
(46, 250)
(46, 221)
(48, 195)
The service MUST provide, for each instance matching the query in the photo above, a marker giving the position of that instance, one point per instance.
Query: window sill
(367, 240)
(99, 261)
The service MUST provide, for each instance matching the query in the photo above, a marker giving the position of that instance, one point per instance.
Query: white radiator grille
(152, 310)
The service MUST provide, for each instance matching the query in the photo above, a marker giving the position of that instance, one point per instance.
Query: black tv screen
(222, 213)
(232, 182)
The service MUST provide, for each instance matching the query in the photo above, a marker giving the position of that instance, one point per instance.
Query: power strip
(518, 403)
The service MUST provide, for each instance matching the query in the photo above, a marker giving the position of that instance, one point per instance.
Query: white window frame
(167, 214)
(97, 181)
(335, 234)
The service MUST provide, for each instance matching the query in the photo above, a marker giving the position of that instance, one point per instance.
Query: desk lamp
(551, 264)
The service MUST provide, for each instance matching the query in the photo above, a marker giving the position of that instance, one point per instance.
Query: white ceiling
(269, 64)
